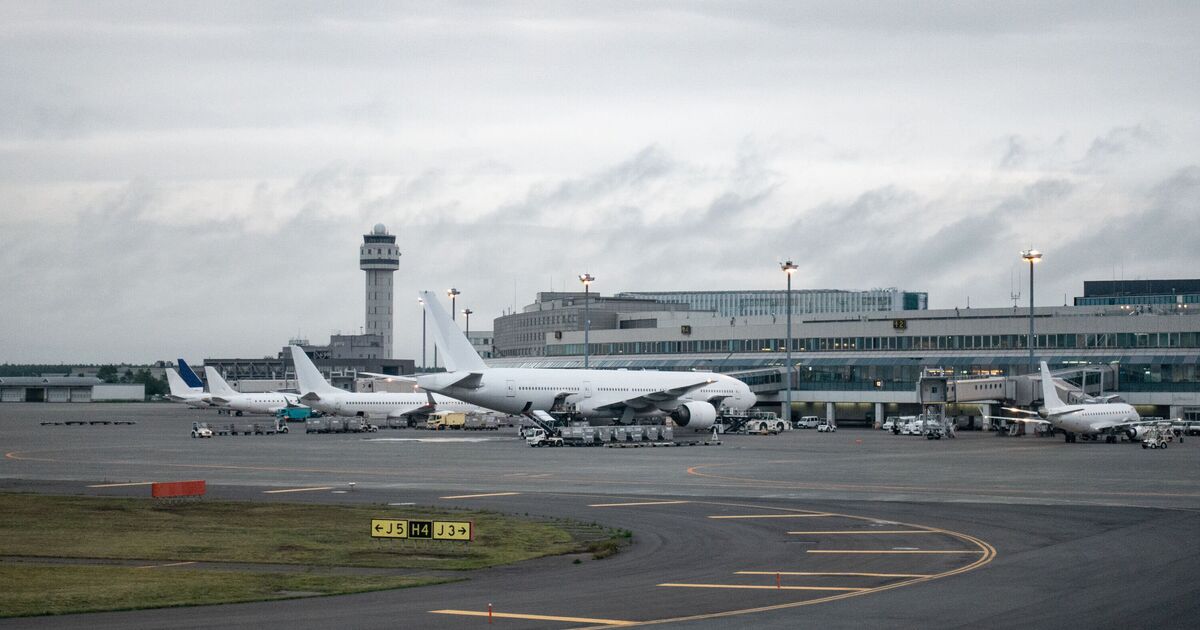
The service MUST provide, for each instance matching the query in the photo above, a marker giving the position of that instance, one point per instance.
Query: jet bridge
(1087, 384)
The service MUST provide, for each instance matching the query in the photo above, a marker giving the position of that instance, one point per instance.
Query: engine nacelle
(1135, 433)
(695, 415)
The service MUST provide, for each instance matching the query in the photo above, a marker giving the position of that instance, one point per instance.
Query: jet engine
(695, 415)
(1135, 433)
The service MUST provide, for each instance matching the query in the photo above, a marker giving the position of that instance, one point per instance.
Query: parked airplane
(416, 407)
(690, 399)
(222, 395)
(1089, 420)
(191, 396)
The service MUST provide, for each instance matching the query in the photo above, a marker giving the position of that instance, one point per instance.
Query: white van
(807, 422)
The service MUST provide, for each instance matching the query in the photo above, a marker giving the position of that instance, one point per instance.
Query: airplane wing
(423, 410)
(653, 399)
(1014, 419)
(392, 377)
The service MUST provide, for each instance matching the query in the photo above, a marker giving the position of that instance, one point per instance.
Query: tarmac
(848, 529)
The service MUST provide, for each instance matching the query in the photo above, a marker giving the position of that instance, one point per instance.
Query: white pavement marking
(638, 503)
(480, 496)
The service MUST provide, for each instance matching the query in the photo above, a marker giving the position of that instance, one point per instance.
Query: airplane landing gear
(1070, 438)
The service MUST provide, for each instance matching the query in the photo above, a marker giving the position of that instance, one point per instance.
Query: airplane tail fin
(216, 383)
(308, 377)
(1049, 390)
(176, 384)
(189, 376)
(457, 350)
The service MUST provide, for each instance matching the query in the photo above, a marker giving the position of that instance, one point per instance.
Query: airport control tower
(379, 257)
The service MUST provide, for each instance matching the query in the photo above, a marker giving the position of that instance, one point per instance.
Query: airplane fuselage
(1094, 419)
(519, 390)
(386, 405)
(265, 403)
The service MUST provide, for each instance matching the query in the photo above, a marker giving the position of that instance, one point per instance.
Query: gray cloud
(170, 175)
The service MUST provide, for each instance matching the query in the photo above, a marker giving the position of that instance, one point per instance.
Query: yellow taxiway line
(812, 515)
(893, 551)
(865, 531)
(122, 485)
(638, 503)
(480, 496)
(316, 489)
(842, 589)
(501, 615)
(817, 574)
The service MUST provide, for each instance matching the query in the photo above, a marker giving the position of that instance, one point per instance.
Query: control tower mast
(380, 258)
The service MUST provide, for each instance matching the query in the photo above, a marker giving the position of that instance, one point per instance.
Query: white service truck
(537, 436)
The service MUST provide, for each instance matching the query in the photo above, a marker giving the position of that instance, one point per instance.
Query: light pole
(1031, 256)
(467, 312)
(453, 293)
(421, 301)
(788, 268)
(587, 279)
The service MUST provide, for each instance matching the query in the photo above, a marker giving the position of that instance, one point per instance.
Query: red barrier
(169, 489)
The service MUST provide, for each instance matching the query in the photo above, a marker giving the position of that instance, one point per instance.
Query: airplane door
(512, 389)
(587, 389)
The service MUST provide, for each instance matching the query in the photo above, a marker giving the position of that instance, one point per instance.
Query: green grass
(226, 531)
(44, 590)
(315, 536)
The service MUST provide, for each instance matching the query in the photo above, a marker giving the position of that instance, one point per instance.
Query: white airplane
(224, 396)
(690, 399)
(319, 394)
(194, 397)
(1089, 420)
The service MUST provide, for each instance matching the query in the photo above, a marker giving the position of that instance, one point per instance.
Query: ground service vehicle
(808, 422)
(826, 426)
(201, 430)
(443, 420)
(289, 414)
(537, 437)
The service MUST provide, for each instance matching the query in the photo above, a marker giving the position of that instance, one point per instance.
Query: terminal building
(859, 366)
(66, 389)
(750, 303)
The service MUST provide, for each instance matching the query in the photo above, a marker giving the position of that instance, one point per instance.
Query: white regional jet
(220, 394)
(690, 399)
(181, 393)
(320, 395)
(1090, 420)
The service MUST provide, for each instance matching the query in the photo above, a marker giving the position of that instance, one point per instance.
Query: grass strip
(45, 590)
(287, 533)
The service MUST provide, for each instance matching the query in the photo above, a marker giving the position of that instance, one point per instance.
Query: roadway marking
(638, 503)
(122, 485)
(844, 589)
(480, 496)
(484, 613)
(816, 574)
(813, 515)
(866, 531)
(892, 551)
(172, 564)
(316, 489)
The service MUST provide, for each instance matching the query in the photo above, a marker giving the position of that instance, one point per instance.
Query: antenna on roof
(1013, 293)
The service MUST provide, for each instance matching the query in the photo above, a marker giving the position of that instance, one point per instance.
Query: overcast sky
(193, 179)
